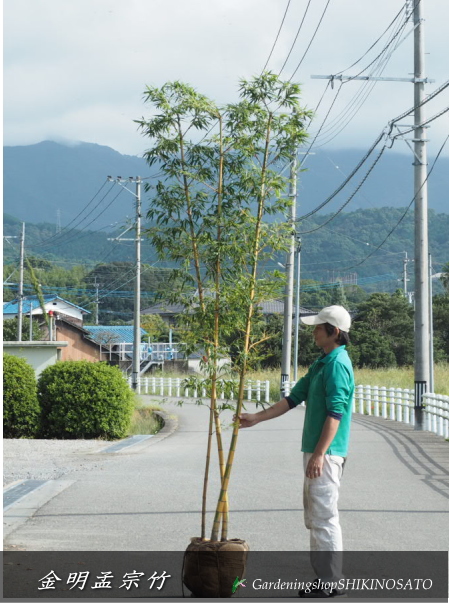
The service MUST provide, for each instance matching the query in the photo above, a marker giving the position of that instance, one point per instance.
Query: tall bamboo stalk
(196, 260)
(255, 254)
(217, 320)
(213, 416)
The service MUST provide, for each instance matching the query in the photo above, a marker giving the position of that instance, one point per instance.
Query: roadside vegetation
(144, 421)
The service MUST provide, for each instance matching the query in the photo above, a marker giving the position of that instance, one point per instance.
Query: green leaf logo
(237, 583)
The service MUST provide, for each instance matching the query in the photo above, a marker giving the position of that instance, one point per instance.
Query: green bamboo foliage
(217, 211)
(38, 291)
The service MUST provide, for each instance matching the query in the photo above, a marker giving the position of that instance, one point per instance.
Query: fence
(181, 388)
(391, 403)
(398, 404)
(157, 352)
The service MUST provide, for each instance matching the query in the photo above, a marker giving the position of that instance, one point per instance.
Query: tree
(10, 329)
(209, 214)
(339, 296)
(441, 327)
(382, 331)
(155, 326)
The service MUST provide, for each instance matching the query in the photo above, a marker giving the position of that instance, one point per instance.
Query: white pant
(320, 498)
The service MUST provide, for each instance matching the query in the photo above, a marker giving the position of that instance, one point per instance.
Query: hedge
(21, 410)
(81, 399)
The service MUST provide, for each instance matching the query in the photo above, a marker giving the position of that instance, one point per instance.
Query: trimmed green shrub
(20, 405)
(81, 399)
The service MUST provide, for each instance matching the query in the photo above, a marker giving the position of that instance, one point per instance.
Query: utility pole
(31, 320)
(136, 331)
(421, 294)
(289, 269)
(136, 339)
(404, 277)
(297, 310)
(20, 290)
(97, 301)
(422, 368)
(431, 372)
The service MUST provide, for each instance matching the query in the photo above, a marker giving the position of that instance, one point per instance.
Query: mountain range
(52, 182)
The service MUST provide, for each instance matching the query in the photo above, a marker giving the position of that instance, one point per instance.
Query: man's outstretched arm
(250, 419)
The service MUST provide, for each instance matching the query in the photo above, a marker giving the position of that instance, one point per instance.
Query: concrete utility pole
(297, 309)
(136, 338)
(20, 290)
(31, 320)
(421, 295)
(404, 277)
(97, 301)
(422, 364)
(136, 331)
(289, 269)
(432, 374)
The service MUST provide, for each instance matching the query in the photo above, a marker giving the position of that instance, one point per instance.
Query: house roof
(275, 306)
(11, 307)
(164, 308)
(113, 334)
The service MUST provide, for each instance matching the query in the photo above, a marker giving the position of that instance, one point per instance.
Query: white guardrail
(177, 387)
(398, 404)
(391, 403)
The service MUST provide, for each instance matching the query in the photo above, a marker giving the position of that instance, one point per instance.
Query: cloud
(79, 67)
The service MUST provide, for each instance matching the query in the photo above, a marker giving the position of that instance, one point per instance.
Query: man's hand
(315, 465)
(246, 419)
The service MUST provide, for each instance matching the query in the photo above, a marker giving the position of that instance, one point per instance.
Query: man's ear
(337, 333)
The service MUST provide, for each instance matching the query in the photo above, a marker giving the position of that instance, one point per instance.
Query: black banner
(268, 575)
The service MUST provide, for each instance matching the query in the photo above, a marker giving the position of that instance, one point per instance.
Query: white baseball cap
(334, 315)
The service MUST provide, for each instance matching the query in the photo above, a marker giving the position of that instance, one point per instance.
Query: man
(328, 390)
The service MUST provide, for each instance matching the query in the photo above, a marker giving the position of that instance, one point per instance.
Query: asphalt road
(394, 493)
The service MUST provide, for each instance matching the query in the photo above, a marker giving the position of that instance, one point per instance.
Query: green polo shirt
(328, 390)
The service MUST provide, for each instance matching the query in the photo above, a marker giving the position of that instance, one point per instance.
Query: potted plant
(222, 175)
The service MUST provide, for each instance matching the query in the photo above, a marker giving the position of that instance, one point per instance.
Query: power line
(387, 131)
(57, 235)
(372, 45)
(373, 165)
(279, 31)
(335, 121)
(405, 212)
(343, 119)
(310, 43)
(345, 182)
(442, 112)
(338, 119)
(296, 37)
(76, 237)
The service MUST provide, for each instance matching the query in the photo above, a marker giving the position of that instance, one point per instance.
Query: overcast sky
(76, 69)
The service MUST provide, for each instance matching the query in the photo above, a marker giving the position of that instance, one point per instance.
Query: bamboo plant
(217, 211)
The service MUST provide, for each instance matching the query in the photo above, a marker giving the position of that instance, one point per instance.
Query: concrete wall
(194, 364)
(39, 354)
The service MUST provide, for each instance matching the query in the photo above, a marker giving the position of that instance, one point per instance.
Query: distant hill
(43, 178)
(329, 252)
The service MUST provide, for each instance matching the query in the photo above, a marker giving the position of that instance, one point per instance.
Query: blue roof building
(53, 303)
(113, 334)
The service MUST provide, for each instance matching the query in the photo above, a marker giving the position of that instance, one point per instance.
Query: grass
(144, 421)
(402, 377)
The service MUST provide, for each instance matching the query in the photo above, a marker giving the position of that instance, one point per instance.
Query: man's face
(322, 339)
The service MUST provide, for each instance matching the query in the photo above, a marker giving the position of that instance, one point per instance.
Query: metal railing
(397, 404)
(255, 390)
(392, 403)
(125, 351)
(152, 351)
